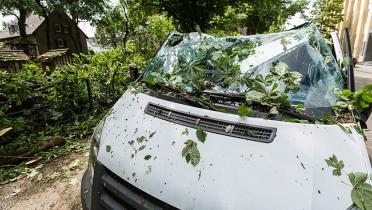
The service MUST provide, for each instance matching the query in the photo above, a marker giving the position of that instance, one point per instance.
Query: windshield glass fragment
(231, 65)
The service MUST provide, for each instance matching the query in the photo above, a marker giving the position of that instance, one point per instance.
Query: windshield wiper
(237, 98)
(185, 96)
(241, 98)
(296, 114)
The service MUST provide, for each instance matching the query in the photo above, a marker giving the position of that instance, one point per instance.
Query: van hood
(233, 173)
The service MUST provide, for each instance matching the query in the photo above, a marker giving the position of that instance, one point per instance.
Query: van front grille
(113, 193)
(238, 130)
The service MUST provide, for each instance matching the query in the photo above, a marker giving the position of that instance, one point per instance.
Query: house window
(60, 43)
(58, 28)
(13, 29)
(66, 29)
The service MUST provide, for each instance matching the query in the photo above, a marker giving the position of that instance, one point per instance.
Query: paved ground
(363, 76)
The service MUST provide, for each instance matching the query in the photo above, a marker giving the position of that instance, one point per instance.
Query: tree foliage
(188, 14)
(19, 9)
(326, 14)
(257, 16)
(133, 29)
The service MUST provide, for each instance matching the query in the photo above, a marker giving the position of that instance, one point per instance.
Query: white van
(176, 141)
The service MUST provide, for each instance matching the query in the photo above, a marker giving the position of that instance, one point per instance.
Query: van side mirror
(133, 72)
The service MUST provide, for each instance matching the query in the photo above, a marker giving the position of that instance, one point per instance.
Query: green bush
(37, 105)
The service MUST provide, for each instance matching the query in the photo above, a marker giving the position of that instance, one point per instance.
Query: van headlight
(94, 147)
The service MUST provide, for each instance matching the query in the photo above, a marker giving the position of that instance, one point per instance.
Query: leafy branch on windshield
(361, 193)
(207, 64)
(271, 90)
(214, 63)
(245, 111)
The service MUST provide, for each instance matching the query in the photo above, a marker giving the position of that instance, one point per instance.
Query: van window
(186, 59)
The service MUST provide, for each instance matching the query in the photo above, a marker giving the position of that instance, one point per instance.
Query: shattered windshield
(297, 63)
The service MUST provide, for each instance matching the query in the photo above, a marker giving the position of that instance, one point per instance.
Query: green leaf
(185, 132)
(288, 118)
(334, 163)
(367, 88)
(147, 157)
(151, 80)
(367, 98)
(358, 129)
(345, 129)
(275, 87)
(357, 178)
(141, 147)
(299, 108)
(251, 133)
(254, 95)
(244, 111)
(362, 196)
(141, 139)
(341, 104)
(280, 69)
(191, 152)
(108, 148)
(229, 128)
(201, 135)
(361, 193)
(274, 110)
(260, 87)
(198, 29)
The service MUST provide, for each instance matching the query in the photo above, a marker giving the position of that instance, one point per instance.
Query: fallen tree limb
(27, 153)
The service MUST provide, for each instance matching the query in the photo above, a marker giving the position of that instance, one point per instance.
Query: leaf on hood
(361, 193)
(345, 129)
(191, 152)
(201, 135)
(108, 148)
(141, 139)
(185, 132)
(147, 157)
(229, 128)
(336, 164)
(141, 147)
(152, 134)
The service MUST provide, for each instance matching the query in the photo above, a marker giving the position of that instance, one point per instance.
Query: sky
(89, 29)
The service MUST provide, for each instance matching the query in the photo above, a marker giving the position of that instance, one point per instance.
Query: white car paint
(289, 173)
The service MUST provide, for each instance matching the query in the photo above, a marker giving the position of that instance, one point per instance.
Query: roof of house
(13, 55)
(52, 54)
(32, 23)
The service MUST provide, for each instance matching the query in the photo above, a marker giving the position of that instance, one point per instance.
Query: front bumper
(109, 191)
(86, 192)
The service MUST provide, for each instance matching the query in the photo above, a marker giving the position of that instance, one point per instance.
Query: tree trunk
(47, 23)
(47, 31)
(22, 23)
(28, 153)
(77, 35)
